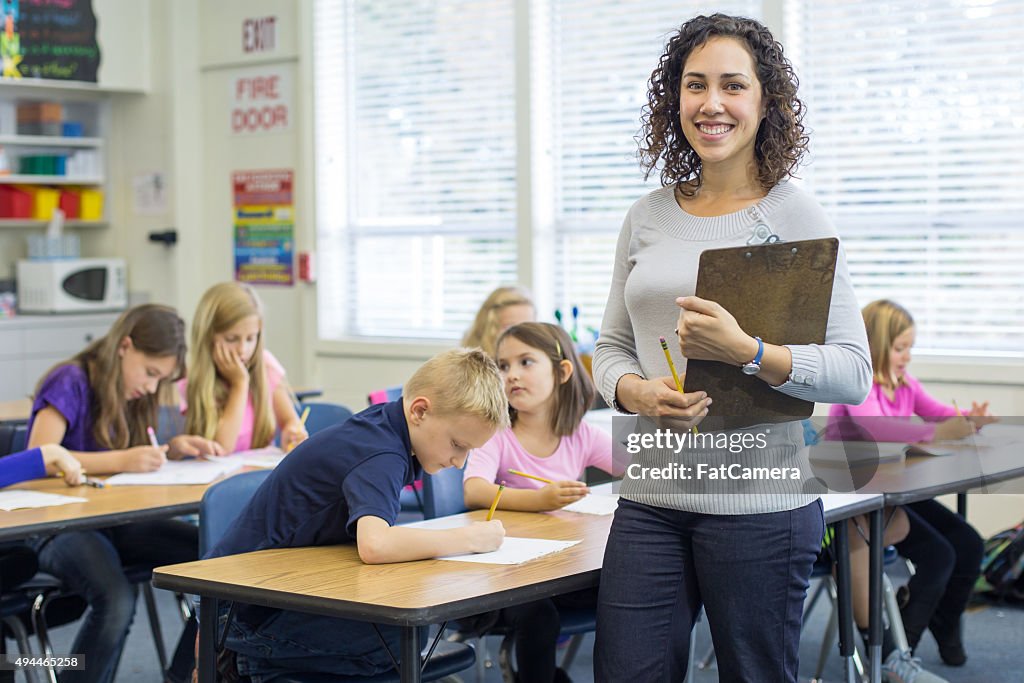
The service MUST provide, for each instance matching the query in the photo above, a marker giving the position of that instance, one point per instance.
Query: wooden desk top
(108, 506)
(18, 410)
(332, 580)
(996, 455)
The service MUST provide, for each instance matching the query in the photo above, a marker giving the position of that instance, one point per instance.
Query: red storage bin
(71, 204)
(15, 202)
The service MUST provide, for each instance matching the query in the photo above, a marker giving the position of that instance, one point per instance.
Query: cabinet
(61, 159)
(32, 344)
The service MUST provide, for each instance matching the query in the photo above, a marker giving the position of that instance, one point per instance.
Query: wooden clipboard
(780, 292)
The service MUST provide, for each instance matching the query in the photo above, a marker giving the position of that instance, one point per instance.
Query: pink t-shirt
(274, 372)
(909, 400)
(588, 446)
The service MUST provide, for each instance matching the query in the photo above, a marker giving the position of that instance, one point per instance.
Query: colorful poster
(53, 39)
(264, 227)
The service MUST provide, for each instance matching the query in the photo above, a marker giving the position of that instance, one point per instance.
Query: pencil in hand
(531, 476)
(152, 437)
(675, 375)
(494, 505)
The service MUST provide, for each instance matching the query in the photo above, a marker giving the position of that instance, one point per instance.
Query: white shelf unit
(85, 105)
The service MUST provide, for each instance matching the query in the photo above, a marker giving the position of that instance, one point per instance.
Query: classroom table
(995, 455)
(110, 506)
(332, 581)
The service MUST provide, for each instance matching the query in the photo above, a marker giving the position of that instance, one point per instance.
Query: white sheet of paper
(16, 500)
(269, 457)
(600, 501)
(177, 472)
(515, 551)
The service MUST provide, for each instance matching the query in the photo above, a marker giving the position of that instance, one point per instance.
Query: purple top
(21, 466)
(892, 418)
(67, 389)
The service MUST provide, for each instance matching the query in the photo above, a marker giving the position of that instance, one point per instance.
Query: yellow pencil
(305, 414)
(532, 476)
(671, 365)
(675, 375)
(494, 505)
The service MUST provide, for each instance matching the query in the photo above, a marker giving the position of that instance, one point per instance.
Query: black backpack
(1002, 567)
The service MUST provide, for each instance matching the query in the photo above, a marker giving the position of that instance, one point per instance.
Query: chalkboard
(50, 39)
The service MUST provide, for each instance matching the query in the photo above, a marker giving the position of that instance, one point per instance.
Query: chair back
(222, 503)
(19, 439)
(384, 395)
(323, 415)
(442, 493)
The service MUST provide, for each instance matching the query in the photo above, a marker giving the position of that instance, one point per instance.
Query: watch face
(751, 368)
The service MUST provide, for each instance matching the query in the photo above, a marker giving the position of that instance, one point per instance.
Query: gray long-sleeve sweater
(656, 261)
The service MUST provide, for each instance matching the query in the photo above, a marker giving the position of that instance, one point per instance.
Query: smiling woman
(724, 125)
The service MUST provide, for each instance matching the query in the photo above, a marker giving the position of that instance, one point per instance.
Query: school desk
(105, 507)
(996, 455)
(332, 581)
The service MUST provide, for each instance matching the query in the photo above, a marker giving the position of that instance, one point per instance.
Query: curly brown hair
(781, 140)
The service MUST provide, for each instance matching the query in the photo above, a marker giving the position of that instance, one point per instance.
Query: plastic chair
(384, 395)
(443, 496)
(323, 415)
(410, 499)
(224, 501)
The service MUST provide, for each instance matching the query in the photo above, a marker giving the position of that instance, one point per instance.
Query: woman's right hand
(484, 537)
(953, 429)
(57, 459)
(144, 458)
(230, 365)
(660, 397)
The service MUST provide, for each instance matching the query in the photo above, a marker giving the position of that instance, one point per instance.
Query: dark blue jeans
(90, 563)
(750, 572)
(292, 642)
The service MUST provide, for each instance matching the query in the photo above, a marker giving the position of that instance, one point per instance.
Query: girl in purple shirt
(98, 405)
(944, 548)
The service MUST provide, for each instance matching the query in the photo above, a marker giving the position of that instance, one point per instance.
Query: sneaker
(902, 667)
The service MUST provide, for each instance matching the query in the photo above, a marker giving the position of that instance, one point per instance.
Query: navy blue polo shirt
(318, 493)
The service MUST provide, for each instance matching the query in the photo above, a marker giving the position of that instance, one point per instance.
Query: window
(918, 156)
(416, 148)
(415, 124)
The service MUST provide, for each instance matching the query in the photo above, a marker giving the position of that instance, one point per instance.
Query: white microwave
(72, 285)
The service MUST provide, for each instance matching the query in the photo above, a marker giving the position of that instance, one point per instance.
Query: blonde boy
(342, 485)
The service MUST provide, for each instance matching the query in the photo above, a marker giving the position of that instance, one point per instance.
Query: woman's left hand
(709, 332)
(292, 434)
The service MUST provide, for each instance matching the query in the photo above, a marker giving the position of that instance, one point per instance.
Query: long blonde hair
(885, 320)
(156, 331)
(222, 307)
(484, 331)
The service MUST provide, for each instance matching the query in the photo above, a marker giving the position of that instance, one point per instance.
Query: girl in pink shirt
(548, 392)
(944, 548)
(235, 391)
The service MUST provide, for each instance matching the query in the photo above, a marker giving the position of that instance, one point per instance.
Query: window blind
(918, 156)
(415, 108)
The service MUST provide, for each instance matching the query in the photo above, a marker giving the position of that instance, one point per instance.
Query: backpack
(1002, 566)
